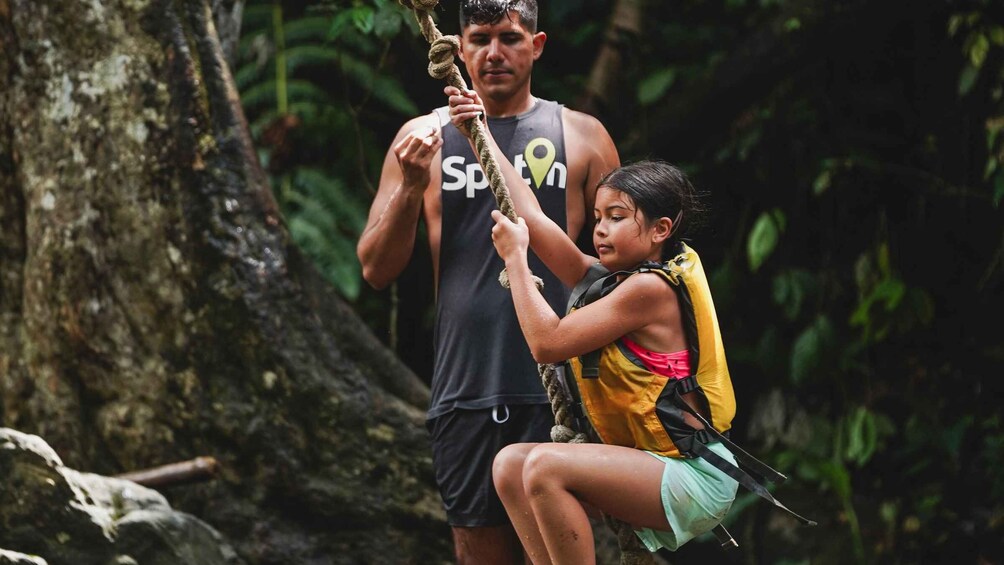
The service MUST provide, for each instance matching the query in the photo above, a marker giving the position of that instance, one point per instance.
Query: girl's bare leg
(622, 482)
(507, 473)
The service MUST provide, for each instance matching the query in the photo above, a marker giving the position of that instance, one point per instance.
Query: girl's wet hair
(659, 190)
(482, 12)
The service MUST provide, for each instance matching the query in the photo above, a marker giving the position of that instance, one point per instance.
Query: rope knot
(564, 434)
(504, 280)
(441, 56)
(419, 4)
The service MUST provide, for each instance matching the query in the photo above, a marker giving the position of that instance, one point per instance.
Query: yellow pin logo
(539, 166)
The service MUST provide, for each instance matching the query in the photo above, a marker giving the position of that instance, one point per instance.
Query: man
(486, 392)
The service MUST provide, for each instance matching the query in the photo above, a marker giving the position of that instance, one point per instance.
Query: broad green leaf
(978, 49)
(654, 86)
(890, 292)
(764, 237)
(990, 168)
(362, 18)
(836, 476)
(967, 79)
(822, 182)
(862, 436)
(340, 24)
(791, 288)
(810, 348)
(997, 36)
(953, 24)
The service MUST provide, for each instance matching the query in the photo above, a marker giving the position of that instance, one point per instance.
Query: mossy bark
(153, 307)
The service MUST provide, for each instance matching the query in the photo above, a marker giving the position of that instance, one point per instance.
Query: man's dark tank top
(482, 359)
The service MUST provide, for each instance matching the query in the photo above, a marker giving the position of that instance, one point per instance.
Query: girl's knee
(543, 470)
(507, 468)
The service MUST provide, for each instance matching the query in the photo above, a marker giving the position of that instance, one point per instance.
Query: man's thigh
(464, 445)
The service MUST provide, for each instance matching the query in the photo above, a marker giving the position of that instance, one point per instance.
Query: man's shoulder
(581, 122)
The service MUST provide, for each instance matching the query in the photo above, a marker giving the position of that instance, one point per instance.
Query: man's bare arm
(588, 144)
(387, 242)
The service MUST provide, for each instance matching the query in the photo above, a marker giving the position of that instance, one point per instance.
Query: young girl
(639, 328)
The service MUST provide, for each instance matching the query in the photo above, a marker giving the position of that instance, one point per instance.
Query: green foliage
(652, 88)
(764, 237)
(326, 218)
(792, 288)
(324, 68)
(861, 196)
(885, 302)
(979, 36)
(810, 351)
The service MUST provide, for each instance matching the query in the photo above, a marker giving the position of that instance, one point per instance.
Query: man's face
(499, 57)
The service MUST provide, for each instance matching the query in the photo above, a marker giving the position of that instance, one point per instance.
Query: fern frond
(311, 55)
(312, 28)
(385, 89)
(264, 94)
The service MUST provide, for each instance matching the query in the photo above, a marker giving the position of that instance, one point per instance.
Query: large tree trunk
(153, 307)
(600, 97)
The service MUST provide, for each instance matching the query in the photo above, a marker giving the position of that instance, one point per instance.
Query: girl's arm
(639, 301)
(548, 240)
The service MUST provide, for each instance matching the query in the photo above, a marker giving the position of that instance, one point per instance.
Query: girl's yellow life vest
(620, 399)
(628, 405)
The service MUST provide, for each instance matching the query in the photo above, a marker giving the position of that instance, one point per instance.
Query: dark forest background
(851, 157)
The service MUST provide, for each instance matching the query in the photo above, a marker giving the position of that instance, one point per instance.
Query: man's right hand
(414, 154)
(464, 105)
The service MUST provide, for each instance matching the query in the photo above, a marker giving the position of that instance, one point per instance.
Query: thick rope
(441, 66)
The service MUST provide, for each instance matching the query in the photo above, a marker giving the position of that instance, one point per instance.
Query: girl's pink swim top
(674, 365)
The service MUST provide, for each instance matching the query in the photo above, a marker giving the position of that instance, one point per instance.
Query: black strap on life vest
(597, 283)
(759, 472)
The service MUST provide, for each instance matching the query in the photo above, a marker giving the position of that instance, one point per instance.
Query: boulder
(54, 515)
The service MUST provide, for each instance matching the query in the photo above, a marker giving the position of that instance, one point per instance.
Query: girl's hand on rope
(464, 105)
(511, 239)
(414, 154)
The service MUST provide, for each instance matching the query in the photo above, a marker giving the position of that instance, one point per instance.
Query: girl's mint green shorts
(695, 495)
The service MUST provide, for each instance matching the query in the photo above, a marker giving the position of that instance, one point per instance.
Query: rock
(15, 558)
(54, 515)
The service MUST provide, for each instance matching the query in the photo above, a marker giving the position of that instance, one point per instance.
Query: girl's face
(623, 236)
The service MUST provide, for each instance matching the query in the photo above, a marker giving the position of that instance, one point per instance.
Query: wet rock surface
(53, 515)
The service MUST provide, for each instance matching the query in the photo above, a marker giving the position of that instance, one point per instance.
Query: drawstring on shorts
(495, 414)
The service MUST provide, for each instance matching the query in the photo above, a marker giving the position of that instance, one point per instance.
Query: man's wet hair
(490, 12)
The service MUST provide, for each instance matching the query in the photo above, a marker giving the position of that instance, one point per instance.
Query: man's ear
(663, 228)
(539, 39)
(460, 51)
